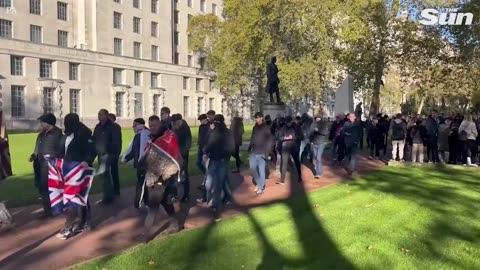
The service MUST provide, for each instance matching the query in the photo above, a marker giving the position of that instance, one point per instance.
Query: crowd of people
(273, 143)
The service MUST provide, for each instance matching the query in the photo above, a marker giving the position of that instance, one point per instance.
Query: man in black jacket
(117, 152)
(218, 150)
(351, 135)
(107, 140)
(203, 131)
(290, 136)
(318, 135)
(48, 143)
(260, 144)
(77, 145)
(184, 135)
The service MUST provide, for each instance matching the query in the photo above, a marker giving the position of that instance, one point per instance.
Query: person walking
(305, 125)
(184, 135)
(107, 140)
(260, 145)
(375, 135)
(48, 143)
(116, 155)
(334, 136)
(135, 152)
(419, 140)
(237, 128)
(468, 133)
(398, 133)
(351, 134)
(317, 136)
(77, 145)
(290, 136)
(443, 135)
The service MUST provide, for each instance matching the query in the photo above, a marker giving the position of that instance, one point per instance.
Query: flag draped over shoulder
(69, 183)
(163, 159)
(5, 161)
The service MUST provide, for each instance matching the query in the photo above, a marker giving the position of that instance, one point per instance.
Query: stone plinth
(274, 110)
(344, 97)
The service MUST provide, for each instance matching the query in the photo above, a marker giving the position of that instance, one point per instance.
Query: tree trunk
(379, 69)
(260, 93)
(421, 106)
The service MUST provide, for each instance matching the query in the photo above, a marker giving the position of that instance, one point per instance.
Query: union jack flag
(69, 183)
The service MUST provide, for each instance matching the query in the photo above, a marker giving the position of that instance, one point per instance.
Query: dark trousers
(470, 150)
(164, 199)
(115, 177)
(432, 149)
(185, 176)
(42, 185)
(236, 156)
(385, 144)
(79, 217)
(273, 88)
(375, 145)
(286, 153)
(107, 182)
(141, 190)
(199, 161)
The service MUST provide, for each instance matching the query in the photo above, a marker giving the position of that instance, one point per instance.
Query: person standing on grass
(116, 157)
(375, 135)
(468, 133)
(443, 134)
(184, 135)
(419, 140)
(351, 135)
(290, 136)
(454, 144)
(108, 139)
(77, 145)
(48, 143)
(238, 130)
(218, 151)
(135, 152)
(432, 137)
(317, 135)
(260, 145)
(398, 133)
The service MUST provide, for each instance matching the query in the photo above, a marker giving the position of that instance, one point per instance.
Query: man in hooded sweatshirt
(290, 136)
(398, 134)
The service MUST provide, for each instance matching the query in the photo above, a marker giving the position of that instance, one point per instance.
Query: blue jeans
(257, 165)
(219, 170)
(317, 155)
(199, 161)
(302, 147)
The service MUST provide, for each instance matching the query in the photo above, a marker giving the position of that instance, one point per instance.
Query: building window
(186, 106)
(18, 101)
(137, 80)
(6, 29)
(154, 29)
(119, 104)
(36, 7)
(62, 11)
(175, 38)
(48, 94)
(203, 5)
(214, 9)
(189, 60)
(190, 3)
(62, 38)
(16, 65)
(154, 53)
(175, 16)
(154, 6)
(137, 25)
(117, 46)
(73, 71)
(185, 83)
(137, 49)
(211, 86)
(46, 68)
(75, 101)
(154, 80)
(200, 106)
(136, 3)
(189, 19)
(157, 104)
(117, 76)
(198, 84)
(138, 107)
(211, 104)
(36, 33)
(176, 58)
(5, 3)
(117, 20)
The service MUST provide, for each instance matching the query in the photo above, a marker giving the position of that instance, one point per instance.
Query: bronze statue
(272, 80)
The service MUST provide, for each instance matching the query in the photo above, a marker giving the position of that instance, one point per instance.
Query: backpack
(398, 133)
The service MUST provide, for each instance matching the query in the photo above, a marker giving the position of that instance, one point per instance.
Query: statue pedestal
(274, 110)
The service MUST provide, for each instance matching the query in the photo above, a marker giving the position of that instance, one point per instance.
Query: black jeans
(236, 155)
(470, 150)
(375, 145)
(79, 216)
(432, 149)
(185, 176)
(107, 182)
(286, 153)
(115, 177)
(141, 190)
(43, 189)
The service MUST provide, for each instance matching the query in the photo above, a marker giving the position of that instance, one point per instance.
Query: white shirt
(68, 140)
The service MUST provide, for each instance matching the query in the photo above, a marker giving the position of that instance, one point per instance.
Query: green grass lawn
(396, 218)
(19, 189)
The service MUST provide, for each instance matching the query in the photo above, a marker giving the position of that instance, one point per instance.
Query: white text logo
(432, 16)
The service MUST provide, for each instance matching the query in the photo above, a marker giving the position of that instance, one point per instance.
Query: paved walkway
(33, 245)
